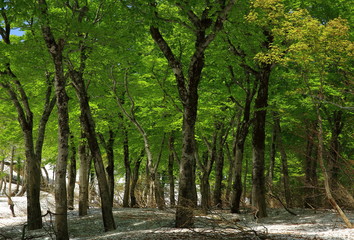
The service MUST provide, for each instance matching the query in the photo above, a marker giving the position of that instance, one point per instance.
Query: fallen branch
(287, 209)
(11, 204)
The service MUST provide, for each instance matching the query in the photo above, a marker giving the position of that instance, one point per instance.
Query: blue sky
(16, 31)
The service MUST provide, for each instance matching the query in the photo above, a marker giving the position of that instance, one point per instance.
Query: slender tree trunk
(333, 161)
(18, 170)
(127, 168)
(11, 170)
(171, 177)
(284, 161)
(325, 173)
(84, 177)
(110, 159)
(206, 168)
(89, 128)
(219, 167)
(258, 142)
(239, 143)
(230, 175)
(237, 182)
(2, 165)
(72, 175)
(311, 180)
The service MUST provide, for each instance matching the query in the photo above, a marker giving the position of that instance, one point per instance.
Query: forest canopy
(194, 104)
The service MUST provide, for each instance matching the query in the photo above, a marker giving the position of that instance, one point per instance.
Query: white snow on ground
(308, 224)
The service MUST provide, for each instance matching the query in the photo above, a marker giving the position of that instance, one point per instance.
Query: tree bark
(135, 177)
(127, 167)
(88, 125)
(206, 168)
(110, 159)
(258, 142)
(311, 179)
(284, 160)
(326, 178)
(84, 177)
(72, 175)
(188, 92)
(171, 160)
(219, 166)
(337, 124)
(11, 170)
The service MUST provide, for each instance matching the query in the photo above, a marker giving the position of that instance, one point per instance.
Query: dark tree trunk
(219, 167)
(311, 179)
(135, 177)
(2, 165)
(230, 174)
(206, 167)
(258, 142)
(284, 161)
(188, 92)
(110, 159)
(84, 177)
(88, 125)
(240, 139)
(337, 124)
(11, 170)
(72, 175)
(171, 160)
(33, 153)
(127, 168)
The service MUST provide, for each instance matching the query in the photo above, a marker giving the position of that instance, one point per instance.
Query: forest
(187, 106)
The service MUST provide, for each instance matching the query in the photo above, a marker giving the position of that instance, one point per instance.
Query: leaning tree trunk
(88, 125)
(326, 179)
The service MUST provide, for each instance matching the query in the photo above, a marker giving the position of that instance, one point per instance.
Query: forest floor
(147, 223)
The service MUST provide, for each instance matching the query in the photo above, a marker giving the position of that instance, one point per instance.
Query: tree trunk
(11, 170)
(135, 177)
(110, 159)
(284, 161)
(88, 125)
(188, 92)
(56, 48)
(230, 175)
(219, 166)
(337, 125)
(84, 177)
(239, 143)
(171, 177)
(325, 173)
(311, 180)
(2, 165)
(127, 168)
(72, 175)
(18, 170)
(206, 167)
(258, 142)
